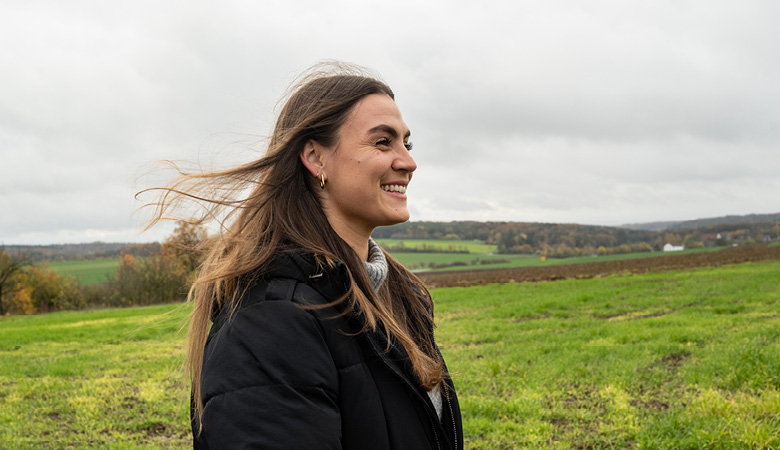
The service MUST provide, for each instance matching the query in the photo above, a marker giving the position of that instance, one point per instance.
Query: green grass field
(97, 379)
(88, 272)
(674, 360)
(685, 360)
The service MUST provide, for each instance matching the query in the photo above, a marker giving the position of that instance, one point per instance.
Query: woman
(320, 340)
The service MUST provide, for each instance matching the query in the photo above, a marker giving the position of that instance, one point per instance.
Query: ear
(312, 157)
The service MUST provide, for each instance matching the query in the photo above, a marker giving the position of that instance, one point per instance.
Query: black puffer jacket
(278, 376)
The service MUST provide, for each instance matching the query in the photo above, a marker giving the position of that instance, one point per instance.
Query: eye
(384, 142)
(409, 146)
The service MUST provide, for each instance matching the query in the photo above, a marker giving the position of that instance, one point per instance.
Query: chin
(394, 219)
(402, 219)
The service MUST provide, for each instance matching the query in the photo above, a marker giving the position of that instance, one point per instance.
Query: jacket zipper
(414, 389)
(435, 434)
(449, 403)
(454, 427)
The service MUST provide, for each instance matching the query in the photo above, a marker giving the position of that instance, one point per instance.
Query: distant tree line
(565, 240)
(740, 221)
(701, 223)
(147, 274)
(67, 252)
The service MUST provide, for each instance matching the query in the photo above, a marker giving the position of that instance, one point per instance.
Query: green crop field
(87, 272)
(441, 245)
(686, 360)
(423, 261)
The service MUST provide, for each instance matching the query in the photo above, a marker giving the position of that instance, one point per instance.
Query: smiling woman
(320, 339)
(366, 172)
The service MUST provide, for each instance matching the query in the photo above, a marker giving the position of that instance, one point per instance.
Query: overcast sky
(594, 112)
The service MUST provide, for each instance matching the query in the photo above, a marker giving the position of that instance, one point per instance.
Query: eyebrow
(389, 130)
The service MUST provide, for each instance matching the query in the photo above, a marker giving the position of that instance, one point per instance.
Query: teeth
(394, 188)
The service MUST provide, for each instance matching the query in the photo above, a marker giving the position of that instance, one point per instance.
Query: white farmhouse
(673, 248)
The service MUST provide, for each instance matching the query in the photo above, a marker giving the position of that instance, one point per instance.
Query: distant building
(713, 239)
(673, 248)
(710, 239)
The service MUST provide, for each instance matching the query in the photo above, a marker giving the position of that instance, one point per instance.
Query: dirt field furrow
(600, 268)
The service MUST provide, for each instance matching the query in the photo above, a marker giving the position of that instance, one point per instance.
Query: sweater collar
(376, 265)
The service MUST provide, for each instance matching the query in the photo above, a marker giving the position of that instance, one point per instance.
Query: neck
(355, 237)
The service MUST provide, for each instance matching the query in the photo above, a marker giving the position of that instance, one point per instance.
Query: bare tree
(10, 265)
(186, 245)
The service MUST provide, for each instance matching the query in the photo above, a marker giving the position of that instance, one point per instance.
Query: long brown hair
(283, 208)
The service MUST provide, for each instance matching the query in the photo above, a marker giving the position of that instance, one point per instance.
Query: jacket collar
(330, 281)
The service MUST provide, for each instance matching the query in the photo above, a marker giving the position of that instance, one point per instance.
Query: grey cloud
(597, 112)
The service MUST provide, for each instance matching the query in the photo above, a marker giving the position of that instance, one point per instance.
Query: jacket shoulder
(268, 375)
(283, 331)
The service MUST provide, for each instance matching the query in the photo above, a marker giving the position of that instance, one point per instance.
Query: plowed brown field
(600, 268)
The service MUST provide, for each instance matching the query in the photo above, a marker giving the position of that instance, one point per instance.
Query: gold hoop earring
(322, 181)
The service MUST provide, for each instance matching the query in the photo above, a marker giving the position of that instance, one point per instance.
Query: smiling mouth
(394, 188)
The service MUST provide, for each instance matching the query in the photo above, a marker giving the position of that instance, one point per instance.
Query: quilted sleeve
(269, 382)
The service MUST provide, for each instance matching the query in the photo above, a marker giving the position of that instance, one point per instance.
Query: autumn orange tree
(11, 267)
(143, 281)
(27, 288)
(163, 277)
(40, 289)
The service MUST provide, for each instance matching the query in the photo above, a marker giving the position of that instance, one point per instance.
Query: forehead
(373, 110)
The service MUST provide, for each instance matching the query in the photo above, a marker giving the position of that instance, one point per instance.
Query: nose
(404, 161)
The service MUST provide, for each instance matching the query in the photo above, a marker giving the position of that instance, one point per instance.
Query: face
(368, 171)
